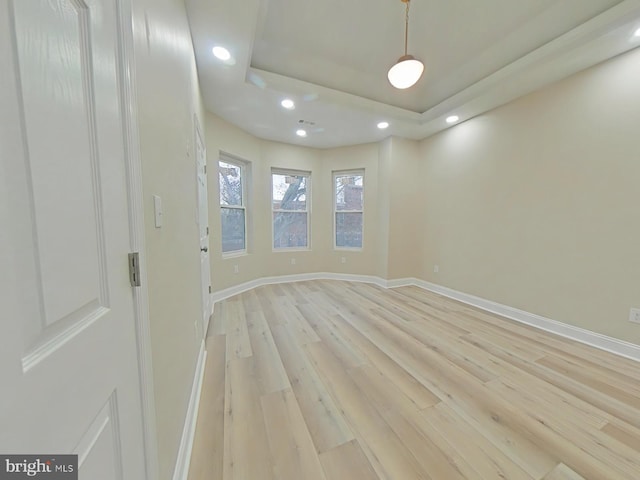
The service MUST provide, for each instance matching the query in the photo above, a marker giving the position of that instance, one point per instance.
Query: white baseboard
(244, 287)
(181, 472)
(603, 342)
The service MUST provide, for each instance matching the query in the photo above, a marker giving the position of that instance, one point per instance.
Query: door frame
(133, 167)
(197, 134)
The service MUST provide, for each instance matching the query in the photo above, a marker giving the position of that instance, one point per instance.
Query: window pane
(232, 229)
(349, 192)
(289, 230)
(349, 230)
(289, 192)
(230, 180)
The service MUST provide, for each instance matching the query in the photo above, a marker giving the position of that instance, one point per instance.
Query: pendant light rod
(406, 26)
(407, 70)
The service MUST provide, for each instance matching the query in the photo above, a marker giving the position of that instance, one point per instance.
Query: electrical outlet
(343, 260)
(236, 269)
(436, 268)
(634, 315)
(293, 261)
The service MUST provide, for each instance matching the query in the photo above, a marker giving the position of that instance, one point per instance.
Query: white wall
(169, 97)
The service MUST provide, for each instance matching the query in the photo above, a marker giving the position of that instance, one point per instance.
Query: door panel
(60, 135)
(98, 456)
(68, 359)
(53, 51)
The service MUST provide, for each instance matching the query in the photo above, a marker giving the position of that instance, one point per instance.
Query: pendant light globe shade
(406, 72)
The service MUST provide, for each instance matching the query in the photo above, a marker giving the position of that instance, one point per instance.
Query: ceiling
(331, 57)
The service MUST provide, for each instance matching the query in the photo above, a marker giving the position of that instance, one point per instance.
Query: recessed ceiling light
(383, 125)
(637, 34)
(301, 133)
(288, 104)
(452, 119)
(221, 53)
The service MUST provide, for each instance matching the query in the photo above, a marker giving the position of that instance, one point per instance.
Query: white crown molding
(604, 36)
(597, 340)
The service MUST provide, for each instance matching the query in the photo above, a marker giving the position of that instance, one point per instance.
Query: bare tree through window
(232, 206)
(290, 194)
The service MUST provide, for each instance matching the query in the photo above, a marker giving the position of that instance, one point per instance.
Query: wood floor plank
(238, 343)
(573, 387)
(624, 433)
(329, 379)
(512, 344)
(217, 324)
(208, 451)
(326, 424)
(296, 323)
(250, 301)
(535, 398)
(405, 420)
(439, 344)
(566, 425)
(555, 344)
(271, 374)
(382, 446)
(246, 446)
(562, 472)
(395, 374)
(593, 379)
(464, 391)
(268, 296)
(341, 348)
(347, 461)
(486, 461)
(292, 450)
(293, 295)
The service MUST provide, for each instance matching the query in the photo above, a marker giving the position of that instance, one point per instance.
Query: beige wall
(536, 205)
(350, 158)
(222, 136)
(168, 96)
(404, 189)
(261, 260)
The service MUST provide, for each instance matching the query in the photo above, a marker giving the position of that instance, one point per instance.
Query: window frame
(243, 166)
(307, 211)
(334, 192)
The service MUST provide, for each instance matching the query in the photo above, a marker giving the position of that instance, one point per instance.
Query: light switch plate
(157, 208)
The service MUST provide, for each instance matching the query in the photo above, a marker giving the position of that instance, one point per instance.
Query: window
(231, 176)
(290, 203)
(348, 195)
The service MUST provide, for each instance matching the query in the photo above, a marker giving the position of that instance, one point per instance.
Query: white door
(68, 363)
(203, 222)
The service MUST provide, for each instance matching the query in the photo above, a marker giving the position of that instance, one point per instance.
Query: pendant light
(407, 70)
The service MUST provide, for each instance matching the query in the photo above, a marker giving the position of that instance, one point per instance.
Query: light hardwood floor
(337, 380)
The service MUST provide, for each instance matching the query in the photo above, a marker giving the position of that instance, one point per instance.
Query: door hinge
(207, 230)
(205, 169)
(134, 269)
(209, 288)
